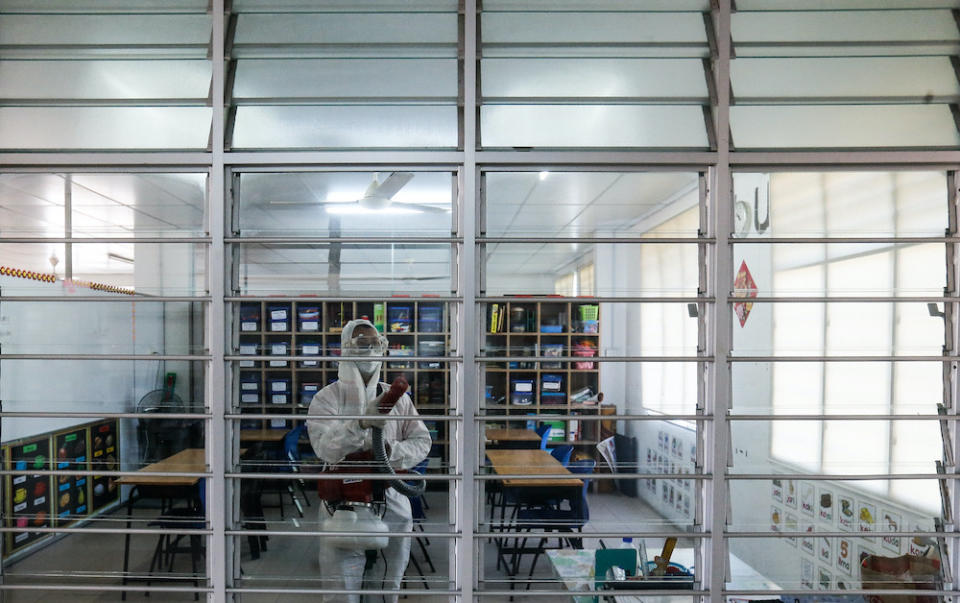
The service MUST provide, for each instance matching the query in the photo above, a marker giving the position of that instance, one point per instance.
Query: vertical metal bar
(721, 327)
(68, 225)
(218, 549)
(468, 513)
(951, 378)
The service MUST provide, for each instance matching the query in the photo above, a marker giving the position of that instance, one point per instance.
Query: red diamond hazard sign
(743, 286)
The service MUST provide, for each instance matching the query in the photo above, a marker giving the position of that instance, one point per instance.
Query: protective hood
(349, 371)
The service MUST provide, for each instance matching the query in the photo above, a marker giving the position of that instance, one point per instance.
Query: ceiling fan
(377, 196)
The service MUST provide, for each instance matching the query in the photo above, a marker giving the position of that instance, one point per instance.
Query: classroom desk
(514, 438)
(574, 568)
(164, 487)
(531, 462)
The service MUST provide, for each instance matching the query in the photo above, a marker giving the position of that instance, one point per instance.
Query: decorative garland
(100, 287)
(52, 278)
(29, 274)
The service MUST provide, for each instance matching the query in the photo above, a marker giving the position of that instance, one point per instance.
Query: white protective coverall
(332, 440)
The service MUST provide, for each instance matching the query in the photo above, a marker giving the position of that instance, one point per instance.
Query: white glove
(373, 408)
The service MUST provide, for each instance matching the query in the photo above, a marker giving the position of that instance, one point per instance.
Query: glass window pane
(104, 128)
(345, 268)
(131, 269)
(558, 203)
(345, 204)
(132, 79)
(354, 78)
(119, 29)
(385, 126)
(843, 126)
(592, 126)
(103, 205)
(770, 80)
(347, 28)
(107, 327)
(599, 78)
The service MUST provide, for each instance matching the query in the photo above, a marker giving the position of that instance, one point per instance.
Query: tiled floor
(290, 561)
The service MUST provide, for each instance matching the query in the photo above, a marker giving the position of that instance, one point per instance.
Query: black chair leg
(533, 565)
(195, 561)
(426, 555)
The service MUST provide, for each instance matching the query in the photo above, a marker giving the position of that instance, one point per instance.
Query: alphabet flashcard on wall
(846, 513)
(776, 518)
(790, 493)
(890, 522)
(806, 573)
(824, 579)
(867, 517)
(790, 525)
(777, 490)
(808, 542)
(844, 556)
(825, 505)
(825, 553)
(807, 499)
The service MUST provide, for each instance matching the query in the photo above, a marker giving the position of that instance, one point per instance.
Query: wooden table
(531, 462)
(514, 438)
(164, 487)
(190, 460)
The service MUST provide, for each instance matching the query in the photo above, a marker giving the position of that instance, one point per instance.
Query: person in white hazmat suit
(408, 442)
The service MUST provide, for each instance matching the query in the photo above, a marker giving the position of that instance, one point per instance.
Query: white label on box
(246, 363)
(248, 349)
(278, 314)
(19, 479)
(21, 537)
(278, 326)
(278, 349)
(311, 349)
(310, 325)
(278, 363)
(248, 326)
(249, 385)
(20, 507)
(250, 397)
(551, 386)
(310, 363)
(278, 386)
(39, 501)
(278, 423)
(279, 399)
(311, 388)
(523, 387)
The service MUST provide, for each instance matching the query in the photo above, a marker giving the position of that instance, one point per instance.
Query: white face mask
(367, 367)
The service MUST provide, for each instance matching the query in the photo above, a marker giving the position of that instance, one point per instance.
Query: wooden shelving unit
(518, 387)
(312, 328)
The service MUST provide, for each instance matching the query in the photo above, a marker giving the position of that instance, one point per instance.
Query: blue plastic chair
(291, 450)
(544, 432)
(562, 453)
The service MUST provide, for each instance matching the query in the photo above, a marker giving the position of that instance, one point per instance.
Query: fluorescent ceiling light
(119, 258)
(543, 175)
(356, 210)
